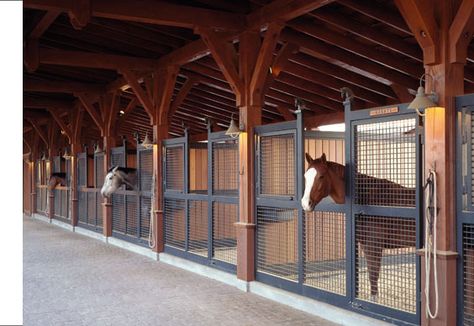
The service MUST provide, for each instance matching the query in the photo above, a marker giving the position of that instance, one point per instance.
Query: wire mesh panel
(468, 273)
(277, 242)
(174, 168)
(117, 157)
(99, 174)
(225, 167)
(198, 227)
(277, 165)
(174, 214)
(145, 215)
(224, 237)
(385, 261)
(119, 221)
(385, 163)
(325, 251)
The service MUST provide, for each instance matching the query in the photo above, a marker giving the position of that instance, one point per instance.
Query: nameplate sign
(383, 111)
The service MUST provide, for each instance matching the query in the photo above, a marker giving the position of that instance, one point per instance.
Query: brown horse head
(322, 179)
(56, 179)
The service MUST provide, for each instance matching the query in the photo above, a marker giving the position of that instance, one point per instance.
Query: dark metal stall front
(131, 208)
(88, 190)
(41, 184)
(465, 207)
(62, 194)
(359, 255)
(201, 199)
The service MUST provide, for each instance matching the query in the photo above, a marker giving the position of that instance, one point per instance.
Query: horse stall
(131, 208)
(90, 177)
(42, 177)
(361, 254)
(62, 193)
(465, 207)
(201, 199)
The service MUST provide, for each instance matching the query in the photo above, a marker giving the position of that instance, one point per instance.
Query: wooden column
(33, 184)
(160, 132)
(109, 142)
(440, 27)
(75, 148)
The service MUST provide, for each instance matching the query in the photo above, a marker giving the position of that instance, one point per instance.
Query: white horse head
(115, 178)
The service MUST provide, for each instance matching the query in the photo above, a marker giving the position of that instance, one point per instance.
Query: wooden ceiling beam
(45, 103)
(324, 119)
(57, 117)
(370, 33)
(461, 32)
(381, 14)
(48, 18)
(349, 44)
(183, 92)
(148, 11)
(38, 130)
(283, 10)
(47, 86)
(343, 58)
(89, 106)
(143, 96)
(94, 60)
(419, 16)
(164, 85)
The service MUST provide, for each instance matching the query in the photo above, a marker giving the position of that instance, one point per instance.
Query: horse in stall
(55, 179)
(325, 178)
(116, 177)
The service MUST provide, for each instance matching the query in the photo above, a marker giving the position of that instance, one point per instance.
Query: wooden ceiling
(362, 44)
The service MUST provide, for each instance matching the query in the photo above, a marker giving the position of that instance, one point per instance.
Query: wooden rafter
(165, 84)
(419, 16)
(281, 59)
(38, 130)
(47, 86)
(56, 116)
(48, 18)
(80, 13)
(461, 32)
(44, 103)
(89, 106)
(143, 96)
(150, 12)
(183, 92)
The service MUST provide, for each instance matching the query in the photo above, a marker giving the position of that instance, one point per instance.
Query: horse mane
(58, 174)
(122, 169)
(338, 168)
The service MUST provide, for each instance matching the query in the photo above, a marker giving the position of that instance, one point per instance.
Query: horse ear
(115, 169)
(323, 158)
(309, 159)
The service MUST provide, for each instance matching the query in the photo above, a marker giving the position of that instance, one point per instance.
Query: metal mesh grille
(131, 216)
(91, 208)
(56, 164)
(99, 170)
(82, 206)
(277, 165)
(198, 223)
(175, 223)
(471, 155)
(174, 173)
(198, 168)
(117, 158)
(325, 251)
(225, 168)
(277, 242)
(468, 272)
(41, 194)
(385, 163)
(145, 207)
(386, 261)
(224, 234)
(61, 203)
(99, 208)
(119, 223)
(82, 170)
(145, 167)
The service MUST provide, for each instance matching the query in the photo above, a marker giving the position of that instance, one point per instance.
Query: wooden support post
(75, 148)
(109, 142)
(431, 22)
(160, 132)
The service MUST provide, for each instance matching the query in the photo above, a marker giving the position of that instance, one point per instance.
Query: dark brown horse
(55, 179)
(324, 178)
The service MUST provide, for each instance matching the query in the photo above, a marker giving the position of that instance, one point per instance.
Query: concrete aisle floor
(70, 279)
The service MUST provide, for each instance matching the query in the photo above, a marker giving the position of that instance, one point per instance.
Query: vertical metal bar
(419, 159)
(299, 191)
(186, 188)
(139, 187)
(350, 239)
(210, 178)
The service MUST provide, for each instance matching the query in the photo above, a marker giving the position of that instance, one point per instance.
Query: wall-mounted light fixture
(66, 155)
(97, 148)
(234, 130)
(422, 100)
(43, 157)
(147, 143)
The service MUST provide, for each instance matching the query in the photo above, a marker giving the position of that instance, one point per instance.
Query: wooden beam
(225, 56)
(45, 103)
(86, 102)
(461, 32)
(94, 60)
(143, 96)
(281, 59)
(419, 16)
(324, 119)
(56, 116)
(370, 33)
(285, 113)
(77, 123)
(263, 62)
(47, 86)
(150, 12)
(40, 132)
(183, 92)
(31, 55)
(80, 13)
(283, 10)
(402, 92)
(48, 18)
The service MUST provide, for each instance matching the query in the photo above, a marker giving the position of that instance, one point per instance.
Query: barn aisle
(70, 279)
